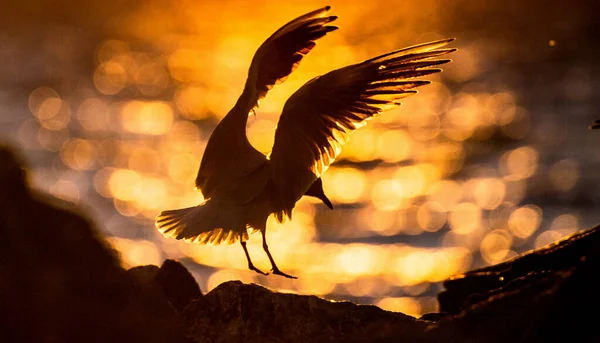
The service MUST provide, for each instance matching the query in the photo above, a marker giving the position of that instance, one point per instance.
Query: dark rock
(462, 291)
(145, 275)
(178, 284)
(434, 316)
(540, 296)
(237, 312)
(60, 282)
(171, 281)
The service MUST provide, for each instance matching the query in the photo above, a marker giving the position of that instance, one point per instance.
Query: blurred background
(112, 103)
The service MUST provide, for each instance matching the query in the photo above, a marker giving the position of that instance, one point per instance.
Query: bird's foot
(252, 267)
(276, 271)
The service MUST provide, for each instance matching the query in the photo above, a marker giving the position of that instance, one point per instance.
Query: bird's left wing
(318, 119)
(282, 52)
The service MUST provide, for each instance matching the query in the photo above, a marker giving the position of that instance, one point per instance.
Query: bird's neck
(237, 118)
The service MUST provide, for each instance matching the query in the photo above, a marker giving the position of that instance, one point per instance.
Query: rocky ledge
(60, 282)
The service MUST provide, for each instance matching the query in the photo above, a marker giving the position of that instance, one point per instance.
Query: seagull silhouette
(242, 187)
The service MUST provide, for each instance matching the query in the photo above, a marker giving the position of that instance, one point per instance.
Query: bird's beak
(326, 201)
(316, 190)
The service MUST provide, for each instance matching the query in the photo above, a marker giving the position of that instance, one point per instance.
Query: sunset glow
(132, 135)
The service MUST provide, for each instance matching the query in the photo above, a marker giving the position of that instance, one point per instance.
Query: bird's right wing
(281, 53)
(318, 119)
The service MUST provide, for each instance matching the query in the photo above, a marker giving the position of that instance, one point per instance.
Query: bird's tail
(202, 224)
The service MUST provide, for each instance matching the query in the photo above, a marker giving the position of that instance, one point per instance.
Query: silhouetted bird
(242, 186)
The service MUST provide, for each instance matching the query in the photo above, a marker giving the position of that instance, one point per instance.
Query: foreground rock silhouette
(60, 282)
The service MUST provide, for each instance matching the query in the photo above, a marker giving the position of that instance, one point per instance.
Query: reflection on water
(441, 185)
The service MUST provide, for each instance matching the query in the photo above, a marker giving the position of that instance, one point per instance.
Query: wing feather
(320, 117)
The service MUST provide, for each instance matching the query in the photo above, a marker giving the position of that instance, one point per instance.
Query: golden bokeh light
(412, 180)
(387, 195)
(151, 78)
(191, 103)
(44, 102)
(184, 136)
(66, 190)
(186, 65)
(465, 218)
(183, 167)
(144, 159)
(431, 216)
(52, 112)
(110, 77)
(462, 120)
(53, 140)
(383, 223)
(49, 108)
(93, 114)
(424, 127)
(448, 157)
(489, 193)
(520, 163)
(524, 221)
(564, 174)
(112, 48)
(394, 145)
(358, 260)
(79, 154)
(345, 185)
(565, 223)
(495, 246)
(147, 117)
(136, 252)
(362, 146)
(123, 184)
(151, 195)
(446, 193)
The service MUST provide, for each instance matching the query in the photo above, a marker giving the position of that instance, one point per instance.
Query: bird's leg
(250, 265)
(275, 270)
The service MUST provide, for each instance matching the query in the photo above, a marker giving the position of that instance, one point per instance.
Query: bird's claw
(279, 272)
(252, 267)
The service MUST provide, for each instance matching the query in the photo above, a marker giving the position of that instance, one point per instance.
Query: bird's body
(243, 187)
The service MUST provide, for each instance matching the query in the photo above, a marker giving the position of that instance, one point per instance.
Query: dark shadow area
(60, 281)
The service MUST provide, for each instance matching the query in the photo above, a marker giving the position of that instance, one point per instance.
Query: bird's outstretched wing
(281, 53)
(318, 119)
(228, 151)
